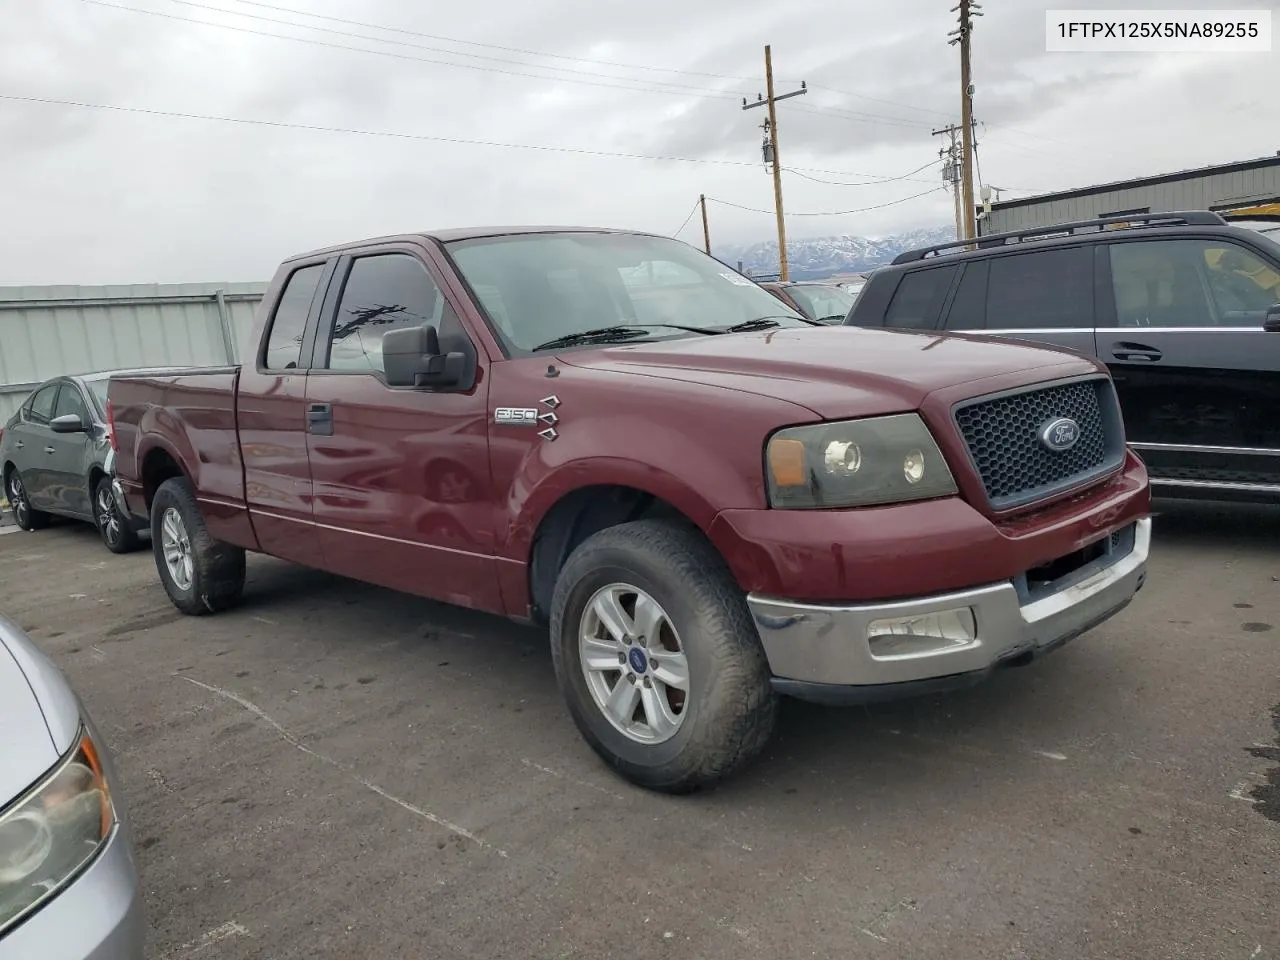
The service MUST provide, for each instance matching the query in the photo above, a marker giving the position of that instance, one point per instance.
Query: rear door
(30, 444)
(403, 492)
(1045, 296)
(1198, 376)
(66, 481)
(271, 417)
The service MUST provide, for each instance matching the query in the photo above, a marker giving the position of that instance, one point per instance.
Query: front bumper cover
(827, 652)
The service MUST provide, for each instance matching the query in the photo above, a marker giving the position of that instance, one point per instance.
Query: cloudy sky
(138, 193)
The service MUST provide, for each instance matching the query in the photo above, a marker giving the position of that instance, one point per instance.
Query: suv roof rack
(1130, 221)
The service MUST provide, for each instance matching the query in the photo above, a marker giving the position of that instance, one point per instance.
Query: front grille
(1003, 436)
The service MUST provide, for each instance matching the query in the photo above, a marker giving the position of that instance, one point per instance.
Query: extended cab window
(919, 297)
(40, 406)
(384, 292)
(284, 344)
(1041, 290)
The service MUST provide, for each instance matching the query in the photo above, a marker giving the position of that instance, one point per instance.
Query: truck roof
(463, 233)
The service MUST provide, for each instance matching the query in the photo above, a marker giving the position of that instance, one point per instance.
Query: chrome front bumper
(923, 640)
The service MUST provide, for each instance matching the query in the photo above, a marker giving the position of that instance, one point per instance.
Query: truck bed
(188, 417)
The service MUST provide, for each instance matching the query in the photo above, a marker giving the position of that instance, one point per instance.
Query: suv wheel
(658, 658)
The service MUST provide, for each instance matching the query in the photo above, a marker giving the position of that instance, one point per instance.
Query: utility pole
(951, 173)
(968, 9)
(706, 230)
(771, 152)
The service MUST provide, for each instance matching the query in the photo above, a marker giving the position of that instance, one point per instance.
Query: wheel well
(577, 516)
(96, 474)
(157, 467)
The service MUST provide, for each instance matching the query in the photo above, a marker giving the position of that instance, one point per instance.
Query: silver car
(68, 881)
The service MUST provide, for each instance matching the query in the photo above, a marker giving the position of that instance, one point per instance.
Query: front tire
(650, 591)
(200, 574)
(117, 531)
(25, 516)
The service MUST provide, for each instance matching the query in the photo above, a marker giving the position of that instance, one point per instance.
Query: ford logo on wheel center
(1060, 434)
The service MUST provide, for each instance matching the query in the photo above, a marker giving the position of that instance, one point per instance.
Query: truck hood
(39, 715)
(836, 371)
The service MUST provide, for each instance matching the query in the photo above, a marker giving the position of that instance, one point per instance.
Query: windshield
(822, 302)
(537, 288)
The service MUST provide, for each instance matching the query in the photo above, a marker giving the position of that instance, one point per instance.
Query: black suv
(1183, 308)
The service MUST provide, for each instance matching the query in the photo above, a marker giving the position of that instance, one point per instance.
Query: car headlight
(52, 832)
(856, 463)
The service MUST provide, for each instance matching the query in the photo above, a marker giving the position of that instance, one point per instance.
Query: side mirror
(411, 357)
(1272, 323)
(67, 423)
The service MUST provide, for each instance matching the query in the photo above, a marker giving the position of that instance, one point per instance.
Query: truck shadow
(1223, 525)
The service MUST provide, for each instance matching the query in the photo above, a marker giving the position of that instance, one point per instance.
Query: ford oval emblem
(1060, 434)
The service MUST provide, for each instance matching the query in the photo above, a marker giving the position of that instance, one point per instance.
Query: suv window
(386, 291)
(919, 297)
(284, 344)
(70, 401)
(40, 406)
(1242, 284)
(1160, 283)
(1044, 289)
(969, 308)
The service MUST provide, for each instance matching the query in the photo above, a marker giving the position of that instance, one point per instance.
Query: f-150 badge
(515, 417)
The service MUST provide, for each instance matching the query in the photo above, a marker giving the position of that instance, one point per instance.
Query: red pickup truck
(709, 499)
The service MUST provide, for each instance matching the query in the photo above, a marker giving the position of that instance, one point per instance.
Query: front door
(403, 496)
(1198, 376)
(67, 480)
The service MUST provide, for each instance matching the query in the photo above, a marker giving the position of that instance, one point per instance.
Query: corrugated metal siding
(49, 331)
(1193, 193)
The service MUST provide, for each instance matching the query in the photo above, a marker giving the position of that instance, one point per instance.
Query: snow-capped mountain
(818, 257)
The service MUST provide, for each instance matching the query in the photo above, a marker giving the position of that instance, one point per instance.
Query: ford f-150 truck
(711, 501)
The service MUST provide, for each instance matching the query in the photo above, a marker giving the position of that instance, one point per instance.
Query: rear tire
(25, 516)
(662, 736)
(117, 531)
(200, 574)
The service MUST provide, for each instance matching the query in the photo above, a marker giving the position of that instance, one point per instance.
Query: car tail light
(111, 427)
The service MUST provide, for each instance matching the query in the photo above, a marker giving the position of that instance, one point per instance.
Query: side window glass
(919, 297)
(969, 309)
(386, 292)
(1045, 289)
(1242, 284)
(70, 401)
(41, 408)
(284, 344)
(1159, 283)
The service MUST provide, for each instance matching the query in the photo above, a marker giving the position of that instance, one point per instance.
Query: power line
(418, 46)
(863, 96)
(659, 87)
(707, 95)
(396, 135)
(829, 213)
(868, 183)
(495, 46)
(680, 230)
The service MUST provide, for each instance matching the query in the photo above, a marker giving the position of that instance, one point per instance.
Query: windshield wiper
(619, 333)
(832, 316)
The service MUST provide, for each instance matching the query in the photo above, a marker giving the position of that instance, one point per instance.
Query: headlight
(856, 463)
(46, 837)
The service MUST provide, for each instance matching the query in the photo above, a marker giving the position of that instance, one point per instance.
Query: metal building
(49, 331)
(1226, 188)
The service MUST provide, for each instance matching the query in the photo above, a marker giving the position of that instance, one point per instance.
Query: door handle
(19, 444)
(50, 450)
(320, 419)
(1135, 351)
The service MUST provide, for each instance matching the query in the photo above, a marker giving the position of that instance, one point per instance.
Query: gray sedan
(56, 459)
(68, 882)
